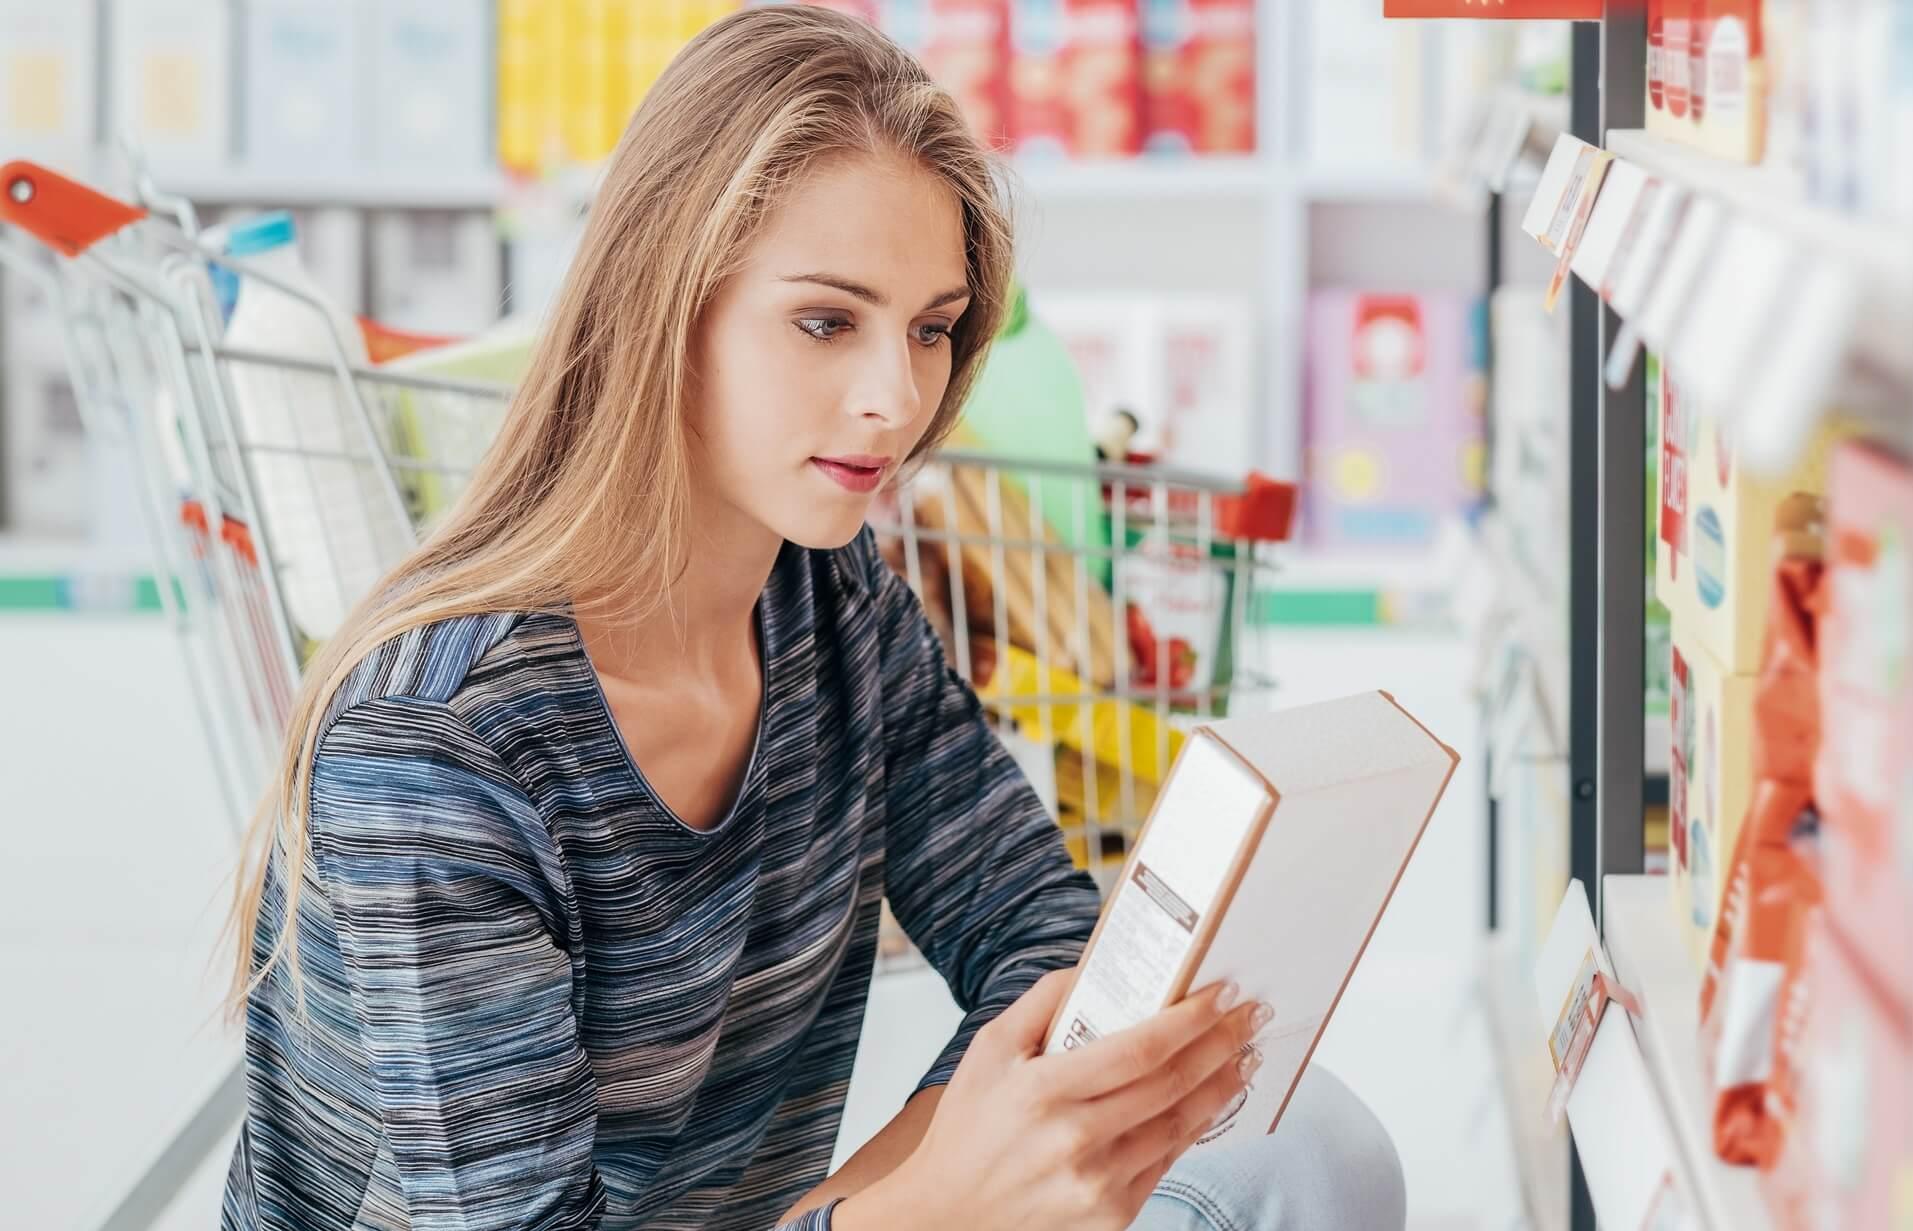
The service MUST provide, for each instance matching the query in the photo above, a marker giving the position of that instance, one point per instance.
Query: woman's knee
(1329, 1164)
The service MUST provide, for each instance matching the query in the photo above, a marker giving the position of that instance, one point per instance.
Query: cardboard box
(1848, 1159)
(47, 71)
(1393, 443)
(966, 46)
(1709, 783)
(431, 81)
(1863, 776)
(1271, 853)
(1717, 524)
(303, 85)
(1669, 38)
(1730, 79)
(172, 64)
(1075, 78)
(1199, 76)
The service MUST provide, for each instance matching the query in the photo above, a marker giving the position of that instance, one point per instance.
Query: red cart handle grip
(64, 214)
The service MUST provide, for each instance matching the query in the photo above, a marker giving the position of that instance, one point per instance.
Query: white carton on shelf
(430, 80)
(1632, 1163)
(1269, 857)
(1365, 86)
(47, 71)
(303, 85)
(436, 271)
(171, 83)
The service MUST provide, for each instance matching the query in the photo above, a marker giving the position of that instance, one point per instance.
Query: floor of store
(126, 866)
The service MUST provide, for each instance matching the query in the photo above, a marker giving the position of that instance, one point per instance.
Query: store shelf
(1525, 1074)
(1330, 184)
(475, 190)
(1148, 178)
(1652, 961)
(1771, 308)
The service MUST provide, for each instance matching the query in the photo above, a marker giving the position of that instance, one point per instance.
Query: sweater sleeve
(977, 872)
(448, 899)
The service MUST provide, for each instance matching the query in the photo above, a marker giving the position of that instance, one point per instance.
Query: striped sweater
(533, 998)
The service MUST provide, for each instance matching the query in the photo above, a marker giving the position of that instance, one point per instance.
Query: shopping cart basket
(280, 489)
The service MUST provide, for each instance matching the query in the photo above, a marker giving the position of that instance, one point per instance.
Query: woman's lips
(861, 475)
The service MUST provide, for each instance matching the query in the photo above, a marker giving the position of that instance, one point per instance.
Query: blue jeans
(1329, 1166)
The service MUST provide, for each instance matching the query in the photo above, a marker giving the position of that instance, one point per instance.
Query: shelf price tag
(1637, 268)
(1690, 253)
(1575, 1027)
(1731, 317)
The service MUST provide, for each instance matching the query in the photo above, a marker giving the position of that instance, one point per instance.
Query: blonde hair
(594, 441)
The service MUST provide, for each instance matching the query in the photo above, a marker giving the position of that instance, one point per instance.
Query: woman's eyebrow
(873, 297)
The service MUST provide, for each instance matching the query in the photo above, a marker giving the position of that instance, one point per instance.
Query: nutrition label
(1206, 813)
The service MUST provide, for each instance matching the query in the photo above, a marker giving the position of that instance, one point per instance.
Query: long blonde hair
(593, 444)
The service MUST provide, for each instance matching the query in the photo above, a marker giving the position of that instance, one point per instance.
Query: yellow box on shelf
(1710, 782)
(1717, 521)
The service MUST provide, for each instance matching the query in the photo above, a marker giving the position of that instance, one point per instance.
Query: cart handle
(64, 214)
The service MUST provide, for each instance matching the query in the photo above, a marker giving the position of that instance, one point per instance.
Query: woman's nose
(887, 386)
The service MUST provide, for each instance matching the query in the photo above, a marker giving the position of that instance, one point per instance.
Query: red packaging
(1700, 35)
(1864, 773)
(1848, 1161)
(1754, 972)
(1541, 10)
(965, 44)
(1075, 78)
(1656, 61)
(1199, 76)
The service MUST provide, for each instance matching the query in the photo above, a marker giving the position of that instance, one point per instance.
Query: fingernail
(1248, 1065)
(1227, 996)
(1262, 1016)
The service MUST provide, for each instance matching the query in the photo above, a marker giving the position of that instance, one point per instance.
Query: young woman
(565, 909)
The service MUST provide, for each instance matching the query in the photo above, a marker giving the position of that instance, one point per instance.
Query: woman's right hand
(1079, 1140)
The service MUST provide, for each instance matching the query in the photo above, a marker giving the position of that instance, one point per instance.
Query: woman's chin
(824, 530)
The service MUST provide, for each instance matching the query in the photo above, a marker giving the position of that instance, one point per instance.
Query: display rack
(1818, 308)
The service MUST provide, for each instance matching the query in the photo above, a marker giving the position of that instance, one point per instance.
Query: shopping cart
(1099, 610)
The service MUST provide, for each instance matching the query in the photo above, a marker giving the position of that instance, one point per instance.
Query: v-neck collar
(769, 651)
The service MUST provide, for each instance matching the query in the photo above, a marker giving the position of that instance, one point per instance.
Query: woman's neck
(708, 612)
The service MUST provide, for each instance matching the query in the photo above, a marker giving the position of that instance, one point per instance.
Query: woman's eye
(932, 335)
(823, 328)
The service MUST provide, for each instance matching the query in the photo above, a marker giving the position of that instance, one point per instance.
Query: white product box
(430, 82)
(171, 85)
(1182, 365)
(47, 72)
(1269, 858)
(436, 271)
(303, 85)
(1365, 86)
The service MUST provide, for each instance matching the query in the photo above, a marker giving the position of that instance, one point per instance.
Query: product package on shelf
(1349, 121)
(431, 84)
(436, 271)
(1393, 439)
(1848, 1158)
(1530, 784)
(1075, 78)
(1716, 525)
(304, 85)
(172, 63)
(1710, 782)
(1729, 79)
(1865, 769)
(1657, 650)
(1199, 76)
(1181, 366)
(1754, 966)
(47, 71)
(966, 46)
(529, 35)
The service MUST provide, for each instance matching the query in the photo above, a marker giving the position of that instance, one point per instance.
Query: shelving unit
(1650, 959)
(481, 190)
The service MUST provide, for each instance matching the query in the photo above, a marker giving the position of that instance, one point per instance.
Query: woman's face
(822, 360)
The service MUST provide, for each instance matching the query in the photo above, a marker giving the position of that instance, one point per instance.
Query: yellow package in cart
(1710, 782)
(1717, 520)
